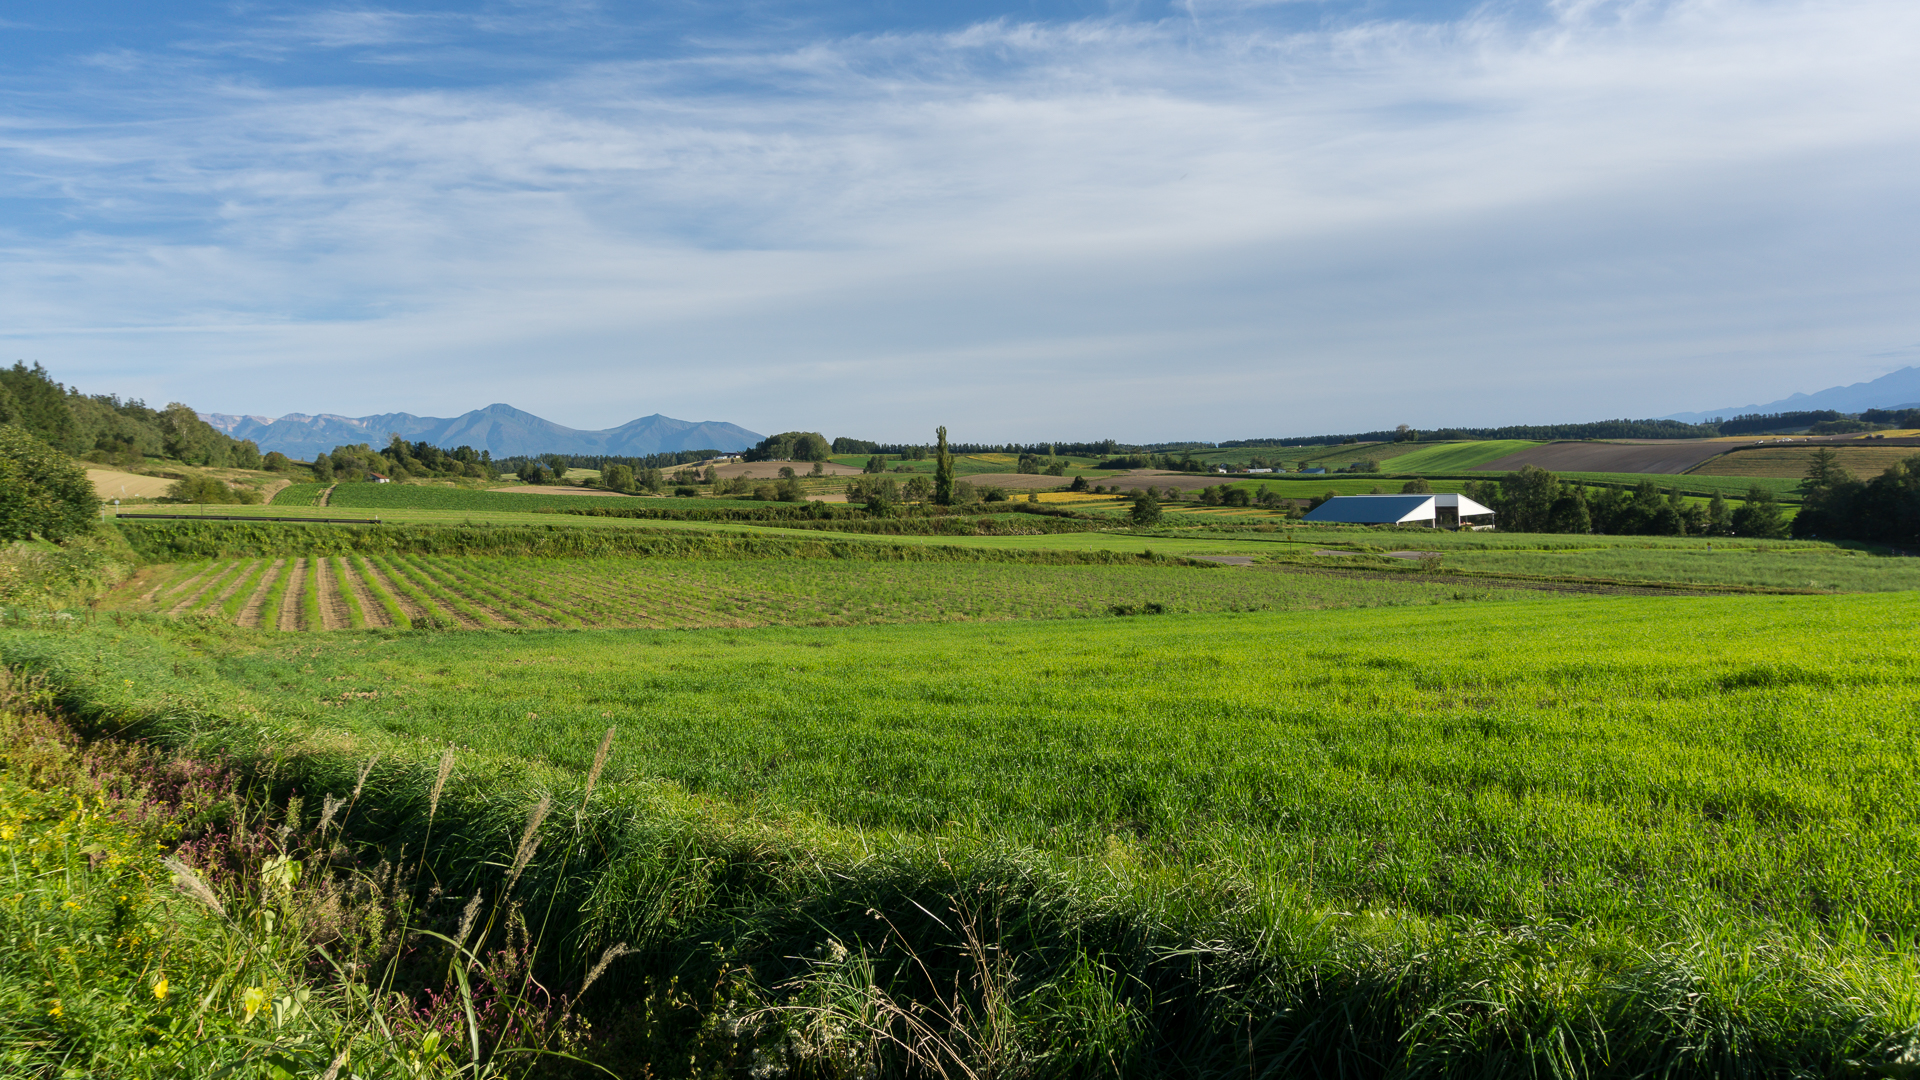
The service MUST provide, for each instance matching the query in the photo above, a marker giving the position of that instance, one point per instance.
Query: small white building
(1445, 511)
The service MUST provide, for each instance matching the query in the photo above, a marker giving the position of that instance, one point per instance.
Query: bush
(42, 492)
(206, 489)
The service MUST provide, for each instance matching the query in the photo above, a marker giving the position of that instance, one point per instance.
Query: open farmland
(1791, 460)
(1822, 568)
(1664, 835)
(355, 591)
(1658, 457)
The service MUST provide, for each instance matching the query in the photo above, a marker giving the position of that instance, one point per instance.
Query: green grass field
(1664, 835)
(1454, 457)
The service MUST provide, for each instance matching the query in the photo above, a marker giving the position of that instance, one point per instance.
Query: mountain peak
(1889, 391)
(499, 428)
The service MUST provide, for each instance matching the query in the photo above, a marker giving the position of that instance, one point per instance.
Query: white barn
(1444, 511)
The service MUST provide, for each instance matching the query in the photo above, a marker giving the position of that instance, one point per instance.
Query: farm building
(377, 478)
(1446, 511)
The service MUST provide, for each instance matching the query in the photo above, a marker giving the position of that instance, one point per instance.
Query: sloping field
(1456, 457)
(355, 591)
(1792, 460)
(1672, 456)
(113, 484)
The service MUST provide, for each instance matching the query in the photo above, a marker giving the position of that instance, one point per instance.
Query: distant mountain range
(500, 429)
(1898, 390)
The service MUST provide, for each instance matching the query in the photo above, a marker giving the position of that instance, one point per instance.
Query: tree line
(1535, 500)
(1883, 510)
(107, 430)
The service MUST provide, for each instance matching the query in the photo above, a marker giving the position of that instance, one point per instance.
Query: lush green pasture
(1455, 457)
(1733, 487)
(1782, 567)
(478, 592)
(299, 495)
(1662, 835)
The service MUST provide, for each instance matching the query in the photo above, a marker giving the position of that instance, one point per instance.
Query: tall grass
(1604, 837)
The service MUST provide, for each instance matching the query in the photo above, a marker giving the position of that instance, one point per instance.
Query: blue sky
(1022, 220)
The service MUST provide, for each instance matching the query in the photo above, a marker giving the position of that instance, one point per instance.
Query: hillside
(499, 429)
(1891, 391)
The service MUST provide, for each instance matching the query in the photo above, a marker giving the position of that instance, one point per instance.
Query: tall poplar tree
(943, 471)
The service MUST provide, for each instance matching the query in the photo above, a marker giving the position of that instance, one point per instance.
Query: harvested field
(113, 484)
(477, 593)
(1791, 460)
(1135, 478)
(1670, 457)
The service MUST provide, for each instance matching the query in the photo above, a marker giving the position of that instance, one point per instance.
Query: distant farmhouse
(1446, 511)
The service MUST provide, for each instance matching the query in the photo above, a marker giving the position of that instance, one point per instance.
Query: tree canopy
(42, 492)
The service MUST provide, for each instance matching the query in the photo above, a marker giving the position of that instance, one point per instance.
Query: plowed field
(354, 592)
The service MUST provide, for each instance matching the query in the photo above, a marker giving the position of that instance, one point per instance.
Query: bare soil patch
(289, 614)
(334, 614)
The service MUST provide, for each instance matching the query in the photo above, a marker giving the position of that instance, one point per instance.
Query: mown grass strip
(310, 615)
(343, 584)
(412, 591)
(514, 606)
(449, 600)
(270, 610)
(395, 615)
(233, 605)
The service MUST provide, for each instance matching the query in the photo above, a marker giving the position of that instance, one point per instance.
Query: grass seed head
(466, 919)
(440, 783)
(192, 884)
(599, 762)
(529, 840)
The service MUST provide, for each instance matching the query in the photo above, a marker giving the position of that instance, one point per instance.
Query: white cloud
(1197, 228)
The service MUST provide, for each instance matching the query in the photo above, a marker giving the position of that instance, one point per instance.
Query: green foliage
(1885, 509)
(943, 470)
(210, 490)
(172, 541)
(1146, 510)
(1759, 516)
(791, 446)
(42, 492)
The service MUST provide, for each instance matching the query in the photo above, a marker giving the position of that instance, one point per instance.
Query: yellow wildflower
(254, 999)
(160, 988)
(55, 1010)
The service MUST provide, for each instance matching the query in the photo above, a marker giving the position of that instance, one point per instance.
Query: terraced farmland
(358, 591)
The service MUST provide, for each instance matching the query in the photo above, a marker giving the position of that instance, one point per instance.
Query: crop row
(354, 591)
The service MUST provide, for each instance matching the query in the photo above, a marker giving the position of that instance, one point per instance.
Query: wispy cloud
(1587, 208)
